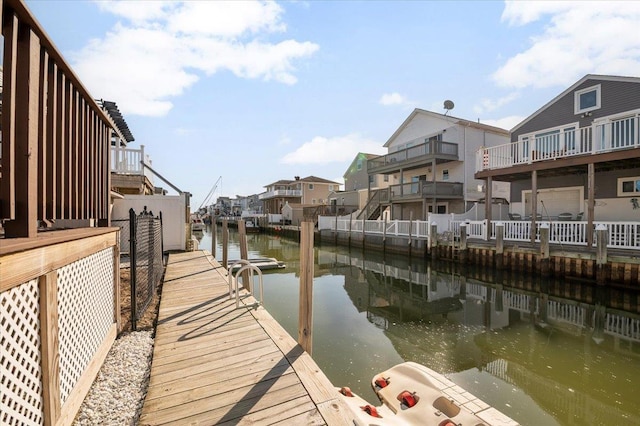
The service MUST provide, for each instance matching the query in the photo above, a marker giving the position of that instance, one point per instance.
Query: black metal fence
(145, 252)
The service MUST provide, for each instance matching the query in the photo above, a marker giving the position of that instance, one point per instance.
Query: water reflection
(543, 352)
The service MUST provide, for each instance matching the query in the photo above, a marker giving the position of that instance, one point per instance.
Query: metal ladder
(233, 280)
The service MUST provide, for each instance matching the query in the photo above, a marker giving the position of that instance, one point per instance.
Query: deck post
(433, 238)
(225, 243)
(544, 249)
(463, 243)
(534, 205)
(602, 267)
(305, 317)
(384, 234)
(499, 245)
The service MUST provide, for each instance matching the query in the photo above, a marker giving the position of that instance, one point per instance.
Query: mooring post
(499, 245)
(433, 238)
(602, 268)
(214, 230)
(350, 223)
(384, 235)
(305, 312)
(225, 243)
(544, 249)
(244, 252)
(463, 243)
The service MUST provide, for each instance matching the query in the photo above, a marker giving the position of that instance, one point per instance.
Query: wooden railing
(55, 137)
(60, 314)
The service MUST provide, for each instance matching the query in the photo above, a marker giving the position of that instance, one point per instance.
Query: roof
(572, 88)
(452, 119)
(114, 113)
(308, 179)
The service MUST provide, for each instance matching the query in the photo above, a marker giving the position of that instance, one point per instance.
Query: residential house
(578, 156)
(310, 191)
(357, 183)
(430, 167)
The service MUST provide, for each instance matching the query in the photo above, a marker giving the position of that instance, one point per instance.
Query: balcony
(280, 193)
(419, 190)
(414, 157)
(604, 137)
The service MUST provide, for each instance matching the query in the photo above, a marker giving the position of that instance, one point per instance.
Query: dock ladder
(244, 265)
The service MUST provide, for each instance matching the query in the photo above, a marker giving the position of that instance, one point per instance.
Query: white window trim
(627, 179)
(576, 99)
(310, 186)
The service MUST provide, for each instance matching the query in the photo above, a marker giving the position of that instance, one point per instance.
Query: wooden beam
(50, 141)
(50, 361)
(8, 181)
(488, 205)
(591, 188)
(305, 312)
(534, 204)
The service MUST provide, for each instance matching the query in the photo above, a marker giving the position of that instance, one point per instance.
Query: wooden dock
(215, 364)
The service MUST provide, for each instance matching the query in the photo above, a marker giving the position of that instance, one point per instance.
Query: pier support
(305, 312)
(225, 243)
(544, 250)
(433, 239)
(462, 253)
(499, 245)
(603, 270)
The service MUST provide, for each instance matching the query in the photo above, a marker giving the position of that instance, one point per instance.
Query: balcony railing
(280, 193)
(612, 135)
(128, 161)
(425, 150)
(423, 189)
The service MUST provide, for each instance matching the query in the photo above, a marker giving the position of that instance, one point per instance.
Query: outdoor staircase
(372, 209)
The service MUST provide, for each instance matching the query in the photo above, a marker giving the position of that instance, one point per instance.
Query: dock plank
(215, 364)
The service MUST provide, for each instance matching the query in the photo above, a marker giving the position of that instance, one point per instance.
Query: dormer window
(586, 100)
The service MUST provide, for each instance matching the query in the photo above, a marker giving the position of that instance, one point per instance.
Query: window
(313, 201)
(370, 178)
(586, 100)
(359, 164)
(445, 175)
(330, 187)
(629, 186)
(311, 186)
(386, 178)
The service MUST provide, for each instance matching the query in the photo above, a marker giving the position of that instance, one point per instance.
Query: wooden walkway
(213, 364)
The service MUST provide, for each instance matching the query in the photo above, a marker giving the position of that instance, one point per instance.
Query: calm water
(544, 353)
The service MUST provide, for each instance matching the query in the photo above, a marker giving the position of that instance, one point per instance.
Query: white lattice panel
(85, 305)
(20, 374)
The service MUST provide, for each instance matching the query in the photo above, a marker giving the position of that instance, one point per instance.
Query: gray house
(577, 157)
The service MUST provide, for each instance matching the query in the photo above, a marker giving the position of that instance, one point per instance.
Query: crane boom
(211, 192)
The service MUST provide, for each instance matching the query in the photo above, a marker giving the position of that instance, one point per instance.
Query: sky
(255, 91)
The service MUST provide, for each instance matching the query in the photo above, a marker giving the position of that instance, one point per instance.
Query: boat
(412, 394)
(197, 224)
(263, 263)
(251, 227)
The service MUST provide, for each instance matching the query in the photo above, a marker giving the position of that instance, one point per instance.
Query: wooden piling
(462, 253)
(499, 245)
(244, 252)
(602, 268)
(433, 238)
(214, 230)
(225, 243)
(305, 312)
(544, 250)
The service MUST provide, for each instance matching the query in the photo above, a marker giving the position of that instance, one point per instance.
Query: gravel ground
(118, 392)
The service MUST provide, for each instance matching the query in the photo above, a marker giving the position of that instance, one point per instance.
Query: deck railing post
(305, 318)
(214, 231)
(244, 253)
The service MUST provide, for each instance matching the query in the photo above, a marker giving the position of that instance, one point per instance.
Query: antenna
(448, 105)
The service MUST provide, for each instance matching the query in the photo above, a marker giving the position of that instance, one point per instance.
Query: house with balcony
(307, 191)
(357, 183)
(577, 157)
(430, 167)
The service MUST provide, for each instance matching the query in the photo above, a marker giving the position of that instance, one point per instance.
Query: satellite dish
(448, 105)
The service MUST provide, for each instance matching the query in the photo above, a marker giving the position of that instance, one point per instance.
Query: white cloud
(321, 150)
(394, 98)
(487, 105)
(165, 47)
(506, 123)
(579, 38)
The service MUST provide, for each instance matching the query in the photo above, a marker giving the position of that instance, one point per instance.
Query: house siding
(616, 97)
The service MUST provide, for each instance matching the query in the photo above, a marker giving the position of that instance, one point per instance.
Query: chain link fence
(146, 260)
